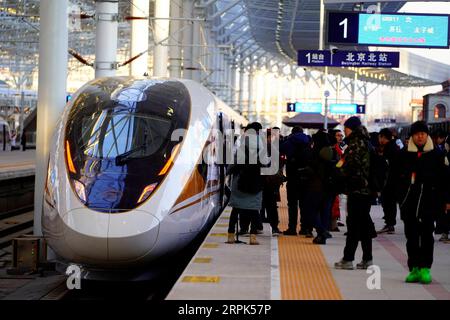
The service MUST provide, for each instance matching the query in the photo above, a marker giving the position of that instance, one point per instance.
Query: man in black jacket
(422, 187)
(298, 152)
(388, 152)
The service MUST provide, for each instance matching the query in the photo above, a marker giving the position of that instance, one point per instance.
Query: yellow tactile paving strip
(304, 273)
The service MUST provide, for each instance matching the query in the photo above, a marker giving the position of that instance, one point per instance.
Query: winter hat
(352, 123)
(419, 126)
(385, 132)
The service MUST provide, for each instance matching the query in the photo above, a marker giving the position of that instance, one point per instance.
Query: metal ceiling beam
(232, 30)
(238, 37)
(230, 6)
(226, 22)
(249, 54)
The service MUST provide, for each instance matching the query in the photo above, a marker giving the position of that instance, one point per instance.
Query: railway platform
(293, 268)
(17, 164)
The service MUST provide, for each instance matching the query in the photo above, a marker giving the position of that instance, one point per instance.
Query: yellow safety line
(304, 273)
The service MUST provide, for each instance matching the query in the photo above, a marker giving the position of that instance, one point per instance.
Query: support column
(53, 60)
(175, 40)
(338, 88)
(222, 77)
(307, 85)
(240, 106)
(188, 6)
(355, 80)
(161, 32)
(139, 36)
(21, 117)
(233, 85)
(196, 43)
(106, 38)
(227, 80)
(280, 89)
(250, 107)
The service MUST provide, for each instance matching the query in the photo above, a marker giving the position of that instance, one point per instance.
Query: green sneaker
(425, 276)
(413, 276)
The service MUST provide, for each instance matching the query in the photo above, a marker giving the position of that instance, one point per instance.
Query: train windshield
(123, 135)
(118, 139)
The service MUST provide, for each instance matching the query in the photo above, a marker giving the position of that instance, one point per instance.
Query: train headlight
(80, 190)
(147, 192)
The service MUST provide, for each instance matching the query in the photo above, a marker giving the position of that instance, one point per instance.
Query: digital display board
(347, 108)
(403, 30)
(305, 107)
(414, 30)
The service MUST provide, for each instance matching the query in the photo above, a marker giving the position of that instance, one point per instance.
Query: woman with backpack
(246, 183)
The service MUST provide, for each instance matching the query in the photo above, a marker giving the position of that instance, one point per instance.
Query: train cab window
(118, 136)
(113, 135)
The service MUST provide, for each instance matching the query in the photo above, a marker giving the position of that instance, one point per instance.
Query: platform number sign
(343, 27)
(344, 23)
(291, 107)
(361, 109)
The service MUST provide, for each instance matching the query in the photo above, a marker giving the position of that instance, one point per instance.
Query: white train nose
(131, 235)
(108, 239)
(85, 235)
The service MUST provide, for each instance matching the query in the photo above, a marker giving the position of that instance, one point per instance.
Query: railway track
(14, 224)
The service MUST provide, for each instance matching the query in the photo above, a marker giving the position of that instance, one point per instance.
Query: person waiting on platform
(388, 152)
(298, 152)
(272, 183)
(320, 187)
(246, 183)
(423, 191)
(355, 170)
(337, 140)
(23, 140)
(12, 140)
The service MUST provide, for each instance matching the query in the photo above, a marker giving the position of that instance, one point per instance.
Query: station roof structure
(269, 28)
(283, 27)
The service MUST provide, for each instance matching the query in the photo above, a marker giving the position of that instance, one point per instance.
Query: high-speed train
(126, 183)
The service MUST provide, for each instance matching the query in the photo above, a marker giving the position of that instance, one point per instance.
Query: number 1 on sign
(309, 57)
(344, 23)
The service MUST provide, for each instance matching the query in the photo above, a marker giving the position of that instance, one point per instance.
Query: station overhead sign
(363, 59)
(347, 108)
(304, 107)
(411, 30)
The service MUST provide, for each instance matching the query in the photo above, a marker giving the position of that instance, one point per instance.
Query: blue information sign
(342, 108)
(347, 108)
(314, 58)
(305, 107)
(361, 109)
(403, 30)
(291, 107)
(374, 59)
(415, 30)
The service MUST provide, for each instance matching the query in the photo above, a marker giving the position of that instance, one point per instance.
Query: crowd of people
(375, 168)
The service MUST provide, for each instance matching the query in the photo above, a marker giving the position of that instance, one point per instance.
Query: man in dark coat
(355, 169)
(388, 153)
(298, 152)
(422, 188)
